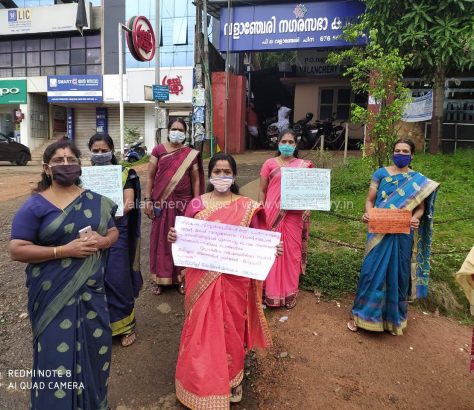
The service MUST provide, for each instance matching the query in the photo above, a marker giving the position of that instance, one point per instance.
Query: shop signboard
(45, 19)
(314, 63)
(101, 120)
(287, 26)
(12, 92)
(70, 122)
(75, 88)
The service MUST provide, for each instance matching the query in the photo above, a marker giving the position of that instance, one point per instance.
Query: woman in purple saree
(175, 176)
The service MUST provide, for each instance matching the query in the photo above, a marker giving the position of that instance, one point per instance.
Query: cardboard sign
(219, 247)
(385, 220)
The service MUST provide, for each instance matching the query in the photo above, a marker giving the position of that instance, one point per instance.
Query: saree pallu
(396, 266)
(123, 279)
(68, 310)
(172, 190)
(223, 316)
(465, 278)
(281, 285)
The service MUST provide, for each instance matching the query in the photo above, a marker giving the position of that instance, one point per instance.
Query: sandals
(128, 340)
(157, 290)
(291, 303)
(352, 326)
(236, 394)
(181, 290)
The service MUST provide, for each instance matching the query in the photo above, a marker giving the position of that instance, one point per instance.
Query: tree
(439, 36)
(378, 73)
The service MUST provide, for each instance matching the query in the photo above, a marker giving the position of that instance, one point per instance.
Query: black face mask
(66, 175)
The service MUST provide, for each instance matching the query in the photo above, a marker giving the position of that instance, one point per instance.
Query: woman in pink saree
(223, 313)
(281, 285)
(175, 176)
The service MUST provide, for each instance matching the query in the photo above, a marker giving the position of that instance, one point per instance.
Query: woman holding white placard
(281, 285)
(223, 313)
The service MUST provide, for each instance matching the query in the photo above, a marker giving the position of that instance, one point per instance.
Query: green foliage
(131, 134)
(143, 160)
(271, 59)
(377, 72)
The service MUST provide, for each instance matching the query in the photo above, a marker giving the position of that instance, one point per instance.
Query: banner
(420, 109)
(74, 88)
(231, 249)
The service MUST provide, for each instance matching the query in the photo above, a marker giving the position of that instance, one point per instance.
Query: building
(67, 84)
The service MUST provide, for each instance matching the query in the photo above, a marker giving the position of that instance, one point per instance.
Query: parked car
(13, 151)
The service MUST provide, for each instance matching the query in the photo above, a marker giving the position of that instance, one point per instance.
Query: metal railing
(455, 135)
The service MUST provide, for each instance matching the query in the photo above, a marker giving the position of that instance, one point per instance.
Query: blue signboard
(75, 88)
(70, 123)
(287, 26)
(161, 92)
(101, 121)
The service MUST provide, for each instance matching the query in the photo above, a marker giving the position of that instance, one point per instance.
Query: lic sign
(19, 15)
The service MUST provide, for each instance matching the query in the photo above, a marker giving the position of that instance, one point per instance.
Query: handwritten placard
(385, 220)
(224, 248)
(105, 180)
(305, 188)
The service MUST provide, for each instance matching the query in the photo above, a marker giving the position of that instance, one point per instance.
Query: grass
(143, 160)
(335, 270)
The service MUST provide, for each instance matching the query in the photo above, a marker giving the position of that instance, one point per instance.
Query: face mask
(101, 159)
(66, 175)
(222, 184)
(400, 160)
(286, 150)
(177, 137)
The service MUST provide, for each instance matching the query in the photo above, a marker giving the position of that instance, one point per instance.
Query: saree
(281, 285)
(465, 278)
(396, 266)
(67, 305)
(223, 317)
(123, 279)
(172, 190)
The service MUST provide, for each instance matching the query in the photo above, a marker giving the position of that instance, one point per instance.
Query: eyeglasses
(64, 160)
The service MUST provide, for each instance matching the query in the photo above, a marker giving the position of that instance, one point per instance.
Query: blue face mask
(286, 150)
(400, 160)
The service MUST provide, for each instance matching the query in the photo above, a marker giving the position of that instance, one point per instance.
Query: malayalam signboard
(75, 88)
(46, 19)
(287, 26)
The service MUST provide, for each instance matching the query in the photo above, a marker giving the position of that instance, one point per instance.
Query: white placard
(305, 188)
(105, 180)
(224, 248)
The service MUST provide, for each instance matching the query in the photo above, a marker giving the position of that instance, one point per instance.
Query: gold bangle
(55, 250)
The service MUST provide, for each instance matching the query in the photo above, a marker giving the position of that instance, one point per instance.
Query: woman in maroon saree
(175, 176)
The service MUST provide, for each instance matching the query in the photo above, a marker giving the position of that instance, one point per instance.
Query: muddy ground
(315, 362)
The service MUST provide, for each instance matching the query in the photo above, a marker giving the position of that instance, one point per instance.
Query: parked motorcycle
(307, 134)
(271, 135)
(135, 152)
(333, 134)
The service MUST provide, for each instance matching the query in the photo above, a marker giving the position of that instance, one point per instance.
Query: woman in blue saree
(396, 266)
(123, 279)
(65, 279)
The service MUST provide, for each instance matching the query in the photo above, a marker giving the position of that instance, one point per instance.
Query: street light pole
(120, 52)
(157, 67)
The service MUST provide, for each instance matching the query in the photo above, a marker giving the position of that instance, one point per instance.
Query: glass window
(62, 57)
(33, 59)
(5, 60)
(180, 8)
(62, 70)
(93, 41)
(94, 69)
(327, 96)
(179, 59)
(18, 45)
(6, 72)
(47, 44)
(33, 45)
(5, 46)
(19, 59)
(78, 56)
(35, 71)
(180, 31)
(189, 58)
(335, 102)
(78, 42)
(47, 70)
(78, 69)
(19, 72)
(93, 56)
(47, 58)
(63, 43)
(344, 96)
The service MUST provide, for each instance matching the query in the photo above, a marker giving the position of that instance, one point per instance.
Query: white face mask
(222, 184)
(177, 137)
